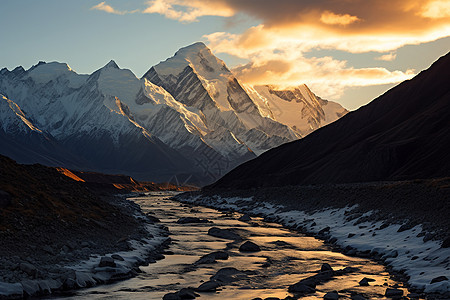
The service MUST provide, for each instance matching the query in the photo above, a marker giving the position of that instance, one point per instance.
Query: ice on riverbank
(119, 265)
(92, 270)
(401, 247)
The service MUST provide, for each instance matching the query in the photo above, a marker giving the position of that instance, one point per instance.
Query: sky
(348, 51)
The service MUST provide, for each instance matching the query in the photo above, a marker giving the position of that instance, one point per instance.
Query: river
(293, 257)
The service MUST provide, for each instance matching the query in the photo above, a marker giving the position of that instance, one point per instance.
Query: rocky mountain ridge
(187, 118)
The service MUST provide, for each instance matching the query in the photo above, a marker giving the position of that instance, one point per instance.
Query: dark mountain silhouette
(403, 134)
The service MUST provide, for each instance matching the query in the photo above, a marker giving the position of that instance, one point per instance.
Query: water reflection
(292, 257)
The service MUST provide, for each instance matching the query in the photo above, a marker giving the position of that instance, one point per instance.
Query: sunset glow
(275, 48)
(289, 42)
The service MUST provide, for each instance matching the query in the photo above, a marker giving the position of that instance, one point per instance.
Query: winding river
(292, 257)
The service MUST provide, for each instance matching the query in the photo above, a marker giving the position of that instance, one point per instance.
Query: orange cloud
(372, 22)
(276, 47)
(436, 9)
(288, 29)
(387, 57)
(331, 18)
(188, 10)
(328, 77)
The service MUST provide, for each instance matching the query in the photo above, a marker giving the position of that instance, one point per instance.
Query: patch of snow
(404, 250)
(7, 115)
(303, 113)
(11, 290)
(45, 72)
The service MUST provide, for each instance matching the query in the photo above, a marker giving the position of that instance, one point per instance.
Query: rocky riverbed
(229, 255)
(59, 234)
(50, 259)
(405, 246)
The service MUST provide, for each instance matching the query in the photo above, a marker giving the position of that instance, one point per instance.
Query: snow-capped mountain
(188, 115)
(297, 107)
(401, 135)
(198, 79)
(74, 118)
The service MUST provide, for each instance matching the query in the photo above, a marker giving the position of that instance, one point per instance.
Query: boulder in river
(308, 284)
(245, 218)
(228, 275)
(187, 293)
(208, 286)
(171, 296)
(187, 220)
(249, 247)
(326, 267)
(224, 233)
(323, 276)
(364, 282)
(358, 297)
(221, 255)
(212, 257)
(331, 296)
(393, 293)
(302, 287)
(283, 244)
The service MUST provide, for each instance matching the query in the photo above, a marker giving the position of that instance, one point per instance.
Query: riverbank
(210, 258)
(394, 223)
(57, 234)
(62, 259)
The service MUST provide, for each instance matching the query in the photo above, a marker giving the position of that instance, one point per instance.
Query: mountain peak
(198, 56)
(111, 64)
(40, 63)
(194, 48)
(44, 72)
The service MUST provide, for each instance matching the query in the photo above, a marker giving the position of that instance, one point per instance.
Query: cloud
(102, 6)
(349, 25)
(436, 9)
(327, 76)
(331, 18)
(387, 57)
(287, 30)
(188, 10)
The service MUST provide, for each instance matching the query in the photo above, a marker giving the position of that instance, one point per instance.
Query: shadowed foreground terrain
(50, 222)
(39, 206)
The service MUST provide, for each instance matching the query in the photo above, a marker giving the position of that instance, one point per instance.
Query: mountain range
(402, 135)
(187, 118)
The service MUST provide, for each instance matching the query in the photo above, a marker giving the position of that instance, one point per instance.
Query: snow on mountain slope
(153, 109)
(297, 107)
(12, 117)
(188, 115)
(22, 140)
(101, 115)
(198, 79)
(79, 124)
(43, 72)
(211, 71)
